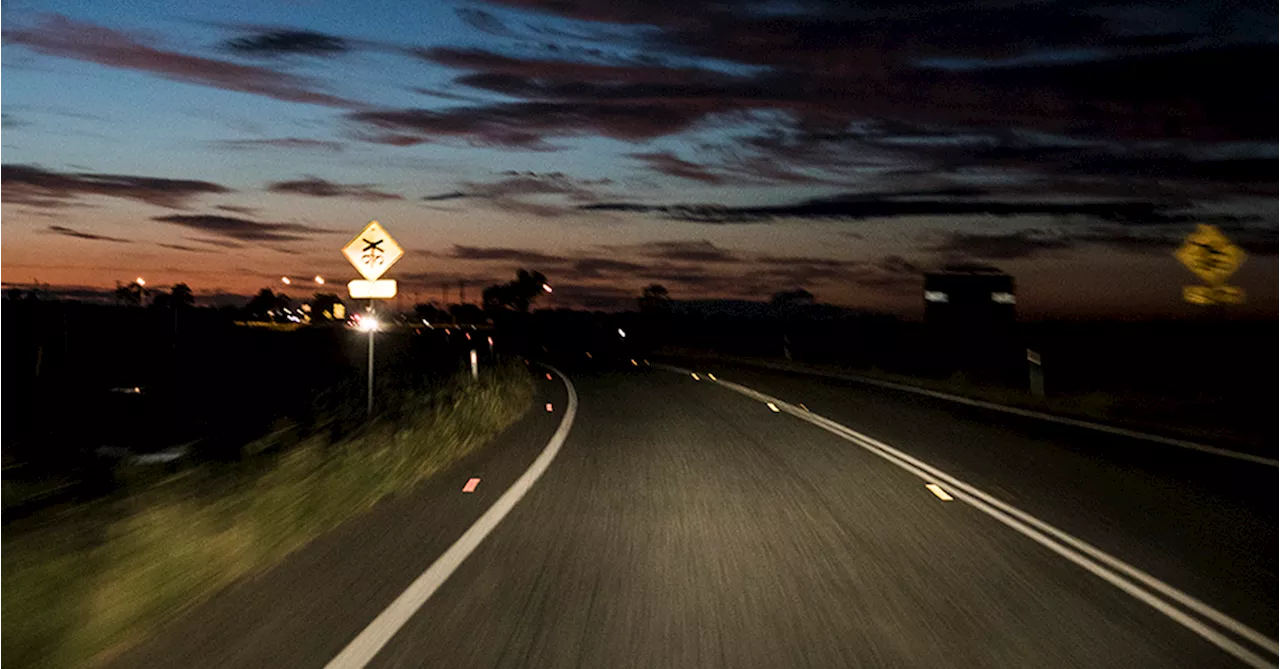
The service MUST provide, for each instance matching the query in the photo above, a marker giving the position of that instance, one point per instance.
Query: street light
(368, 323)
(285, 280)
(546, 288)
(139, 281)
(319, 280)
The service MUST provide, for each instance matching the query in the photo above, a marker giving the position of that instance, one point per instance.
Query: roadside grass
(92, 580)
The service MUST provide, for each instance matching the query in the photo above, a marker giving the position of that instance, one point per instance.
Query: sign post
(372, 253)
(1212, 257)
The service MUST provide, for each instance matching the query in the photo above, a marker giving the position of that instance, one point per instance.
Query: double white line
(1146, 588)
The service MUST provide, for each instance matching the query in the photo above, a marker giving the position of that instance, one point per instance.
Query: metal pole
(369, 407)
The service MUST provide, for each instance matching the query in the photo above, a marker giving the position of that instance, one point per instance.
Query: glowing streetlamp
(285, 280)
(546, 288)
(319, 280)
(140, 281)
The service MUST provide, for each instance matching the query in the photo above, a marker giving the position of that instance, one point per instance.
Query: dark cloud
(866, 206)
(701, 251)
(670, 164)
(62, 37)
(1109, 86)
(513, 192)
(317, 187)
(597, 267)
(242, 229)
(507, 254)
(189, 249)
(452, 195)
(61, 230)
(485, 22)
(287, 143)
(236, 209)
(522, 125)
(288, 42)
(1001, 246)
(221, 243)
(31, 185)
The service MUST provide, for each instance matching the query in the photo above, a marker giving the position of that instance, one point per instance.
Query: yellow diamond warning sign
(373, 251)
(1209, 254)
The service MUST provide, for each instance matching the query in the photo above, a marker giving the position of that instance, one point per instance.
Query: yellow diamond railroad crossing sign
(373, 251)
(1209, 254)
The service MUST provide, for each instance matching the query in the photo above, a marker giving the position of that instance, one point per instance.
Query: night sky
(722, 150)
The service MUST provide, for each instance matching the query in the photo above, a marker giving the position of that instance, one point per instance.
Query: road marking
(471, 485)
(1094, 560)
(773, 407)
(937, 490)
(1026, 413)
(366, 645)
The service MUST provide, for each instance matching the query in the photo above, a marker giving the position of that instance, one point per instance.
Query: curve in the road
(362, 649)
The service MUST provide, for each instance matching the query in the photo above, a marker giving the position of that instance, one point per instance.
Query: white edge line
(989, 505)
(1027, 413)
(362, 649)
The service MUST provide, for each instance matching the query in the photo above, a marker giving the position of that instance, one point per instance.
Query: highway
(711, 515)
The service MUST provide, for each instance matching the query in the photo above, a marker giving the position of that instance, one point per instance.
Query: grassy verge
(96, 579)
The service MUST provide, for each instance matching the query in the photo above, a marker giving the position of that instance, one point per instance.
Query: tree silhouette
(323, 302)
(466, 314)
(654, 299)
(180, 296)
(129, 293)
(515, 295)
(266, 304)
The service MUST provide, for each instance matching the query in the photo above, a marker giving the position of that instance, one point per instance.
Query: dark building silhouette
(971, 313)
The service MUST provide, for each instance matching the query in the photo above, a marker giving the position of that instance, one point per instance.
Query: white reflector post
(372, 290)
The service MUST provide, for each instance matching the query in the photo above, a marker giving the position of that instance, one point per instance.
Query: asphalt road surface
(686, 523)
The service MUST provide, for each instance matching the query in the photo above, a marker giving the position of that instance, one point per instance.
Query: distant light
(711, 376)
(773, 407)
(306, 308)
(935, 296)
(621, 333)
(548, 407)
(634, 363)
(285, 280)
(490, 342)
(546, 288)
(319, 279)
(424, 322)
(1002, 298)
(139, 281)
(368, 323)
(695, 376)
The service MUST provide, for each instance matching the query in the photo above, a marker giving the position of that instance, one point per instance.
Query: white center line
(1109, 568)
(937, 490)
